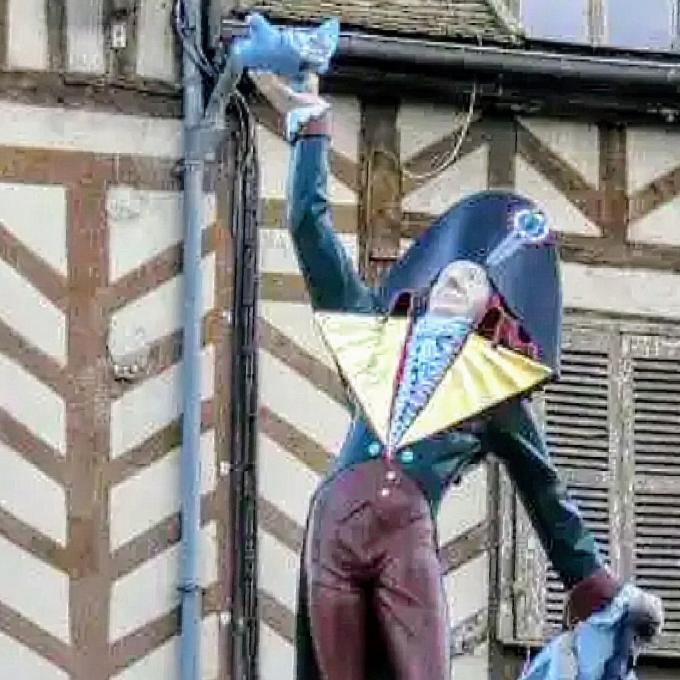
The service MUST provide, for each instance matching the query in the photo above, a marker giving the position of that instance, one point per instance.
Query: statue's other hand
(647, 614)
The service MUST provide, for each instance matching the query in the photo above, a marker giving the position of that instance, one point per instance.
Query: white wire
(453, 156)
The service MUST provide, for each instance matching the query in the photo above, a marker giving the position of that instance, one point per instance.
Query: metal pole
(191, 397)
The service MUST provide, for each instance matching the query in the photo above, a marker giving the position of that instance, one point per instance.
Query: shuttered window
(612, 425)
(652, 442)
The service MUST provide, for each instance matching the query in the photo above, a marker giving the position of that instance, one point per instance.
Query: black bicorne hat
(507, 235)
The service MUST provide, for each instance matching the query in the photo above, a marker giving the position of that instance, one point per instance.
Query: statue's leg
(338, 627)
(333, 565)
(411, 603)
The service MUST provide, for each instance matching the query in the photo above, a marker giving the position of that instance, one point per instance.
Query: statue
(438, 362)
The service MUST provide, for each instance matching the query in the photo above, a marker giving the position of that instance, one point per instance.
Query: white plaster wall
(31, 315)
(85, 36)
(144, 500)
(156, 41)
(422, 124)
(32, 403)
(35, 590)
(26, 35)
(659, 227)
(652, 153)
(575, 142)
(18, 661)
(150, 591)
(162, 663)
(43, 127)
(564, 216)
(467, 175)
(625, 291)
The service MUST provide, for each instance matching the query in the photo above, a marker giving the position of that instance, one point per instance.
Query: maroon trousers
(371, 544)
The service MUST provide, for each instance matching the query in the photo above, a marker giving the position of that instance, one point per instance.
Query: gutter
(606, 81)
(425, 56)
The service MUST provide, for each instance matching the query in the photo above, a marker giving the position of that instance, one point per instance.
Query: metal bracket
(190, 588)
(205, 139)
(133, 365)
(234, 28)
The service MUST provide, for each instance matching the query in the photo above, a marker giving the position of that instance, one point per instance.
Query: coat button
(407, 456)
(374, 449)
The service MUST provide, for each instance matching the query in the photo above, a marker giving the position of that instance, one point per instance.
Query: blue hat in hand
(289, 52)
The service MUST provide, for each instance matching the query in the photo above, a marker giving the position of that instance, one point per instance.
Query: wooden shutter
(613, 429)
(651, 449)
(579, 418)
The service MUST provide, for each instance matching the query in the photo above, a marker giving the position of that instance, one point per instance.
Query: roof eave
(619, 82)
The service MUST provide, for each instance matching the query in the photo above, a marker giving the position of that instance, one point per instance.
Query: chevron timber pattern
(90, 252)
(90, 344)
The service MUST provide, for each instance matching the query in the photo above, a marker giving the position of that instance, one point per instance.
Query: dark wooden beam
(380, 187)
(608, 251)
(502, 135)
(660, 191)
(613, 217)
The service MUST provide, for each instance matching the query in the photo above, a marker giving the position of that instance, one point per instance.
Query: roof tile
(473, 19)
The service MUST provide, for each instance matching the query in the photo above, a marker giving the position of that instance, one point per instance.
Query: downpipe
(204, 128)
(190, 463)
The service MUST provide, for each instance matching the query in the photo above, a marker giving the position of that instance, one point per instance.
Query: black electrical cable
(244, 184)
(188, 37)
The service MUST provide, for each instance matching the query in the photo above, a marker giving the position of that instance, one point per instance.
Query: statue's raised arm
(284, 64)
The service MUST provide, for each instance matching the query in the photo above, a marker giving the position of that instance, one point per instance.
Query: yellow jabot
(367, 349)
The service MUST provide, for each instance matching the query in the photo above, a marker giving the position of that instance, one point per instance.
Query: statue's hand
(281, 94)
(298, 108)
(647, 614)
(291, 52)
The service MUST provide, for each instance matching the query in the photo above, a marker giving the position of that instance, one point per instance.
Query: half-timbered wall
(125, 40)
(90, 347)
(610, 193)
(90, 244)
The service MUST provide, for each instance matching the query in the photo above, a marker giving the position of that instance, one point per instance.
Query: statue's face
(462, 289)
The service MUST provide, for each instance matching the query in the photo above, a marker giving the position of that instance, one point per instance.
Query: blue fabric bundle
(288, 52)
(602, 648)
(292, 53)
